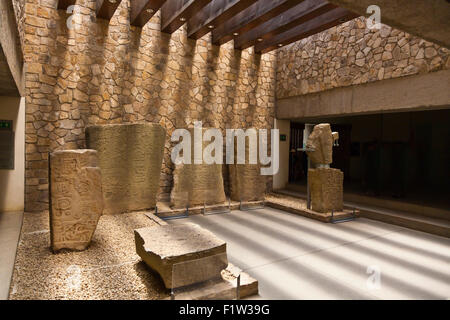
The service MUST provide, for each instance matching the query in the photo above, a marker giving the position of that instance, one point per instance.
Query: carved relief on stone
(76, 201)
(197, 184)
(130, 156)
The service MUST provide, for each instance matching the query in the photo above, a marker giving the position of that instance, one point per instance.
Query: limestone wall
(351, 54)
(105, 72)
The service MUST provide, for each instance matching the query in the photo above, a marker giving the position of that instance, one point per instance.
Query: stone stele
(321, 140)
(182, 254)
(197, 184)
(130, 156)
(246, 181)
(326, 185)
(76, 201)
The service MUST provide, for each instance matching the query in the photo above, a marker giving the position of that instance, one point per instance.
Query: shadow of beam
(355, 246)
(296, 268)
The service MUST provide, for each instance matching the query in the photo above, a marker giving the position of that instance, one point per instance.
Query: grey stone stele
(76, 200)
(182, 254)
(130, 156)
(197, 184)
(246, 181)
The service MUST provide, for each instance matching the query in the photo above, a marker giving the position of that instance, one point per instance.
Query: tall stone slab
(197, 184)
(326, 185)
(76, 200)
(130, 156)
(246, 181)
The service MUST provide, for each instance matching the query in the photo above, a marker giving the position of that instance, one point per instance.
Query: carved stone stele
(130, 156)
(326, 185)
(321, 140)
(182, 254)
(76, 200)
(197, 184)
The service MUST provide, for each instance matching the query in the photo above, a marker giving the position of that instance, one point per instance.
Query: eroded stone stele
(182, 254)
(246, 181)
(197, 184)
(326, 185)
(76, 200)
(130, 156)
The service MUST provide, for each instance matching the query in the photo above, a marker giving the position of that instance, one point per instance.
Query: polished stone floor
(298, 258)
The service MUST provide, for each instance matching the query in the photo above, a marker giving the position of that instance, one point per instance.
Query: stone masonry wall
(351, 54)
(102, 72)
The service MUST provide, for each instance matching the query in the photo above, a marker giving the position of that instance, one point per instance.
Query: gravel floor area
(108, 269)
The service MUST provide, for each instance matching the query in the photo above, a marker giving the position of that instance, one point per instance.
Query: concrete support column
(282, 177)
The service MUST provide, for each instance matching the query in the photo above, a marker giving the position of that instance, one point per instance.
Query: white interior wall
(12, 182)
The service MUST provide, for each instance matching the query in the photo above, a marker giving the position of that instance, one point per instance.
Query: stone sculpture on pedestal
(76, 201)
(325, 183)
(130, 156)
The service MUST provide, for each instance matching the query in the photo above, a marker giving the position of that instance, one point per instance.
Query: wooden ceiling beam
(306, 10)
(316, 25)
(250, 18)
(215, 14)
(174, 13)
(143, 10)
(106, 8)
(64, 4)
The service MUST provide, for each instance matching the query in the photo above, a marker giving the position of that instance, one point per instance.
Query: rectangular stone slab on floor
(182, 254)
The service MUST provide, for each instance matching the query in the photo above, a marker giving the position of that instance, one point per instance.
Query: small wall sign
(6, 145)
(6, 125)
(282, 137)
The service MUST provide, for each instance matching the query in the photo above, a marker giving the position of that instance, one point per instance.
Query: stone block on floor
(182, 254)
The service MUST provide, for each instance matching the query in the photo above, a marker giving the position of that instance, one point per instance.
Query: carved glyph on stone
(326, 185)
(130, 156)
(182, 254)
(76, 201)
(197, 184)
(246, 181)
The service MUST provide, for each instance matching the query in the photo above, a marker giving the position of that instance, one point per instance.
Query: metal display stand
(244, 208)
(333, 220)
(183, 215)
(219, 211)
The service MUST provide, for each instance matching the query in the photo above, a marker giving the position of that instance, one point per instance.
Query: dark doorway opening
(403, 156)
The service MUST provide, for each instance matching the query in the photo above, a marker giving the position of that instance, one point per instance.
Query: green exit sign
(5, 124)
(282, 137)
